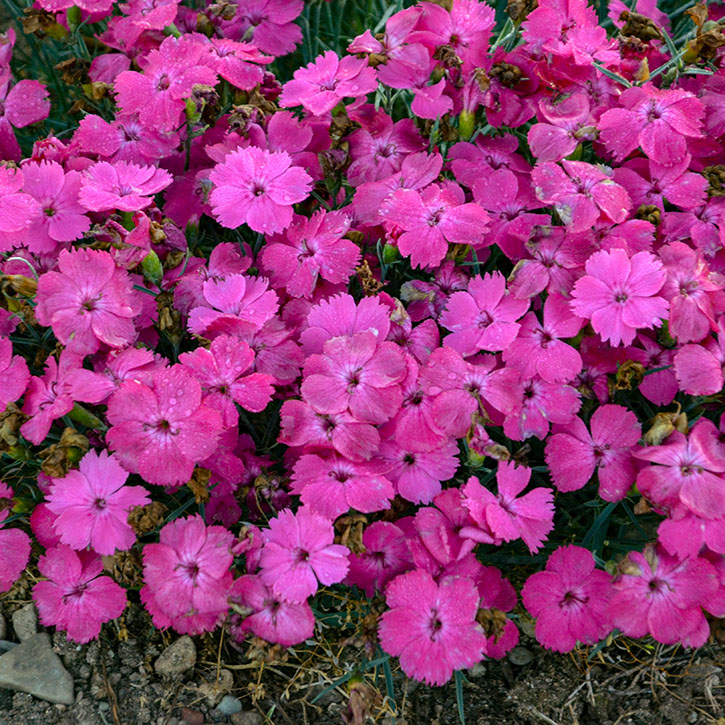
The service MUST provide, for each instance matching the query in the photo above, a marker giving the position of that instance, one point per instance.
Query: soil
(625, 683)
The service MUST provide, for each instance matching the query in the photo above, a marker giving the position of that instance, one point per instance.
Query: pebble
(178, 657)
(520, 656)
(3, 627)
(25, 622)
(229, 705)
(6, 646)
(478, 670)
(191, 717)
(34, 668)
(247, 718)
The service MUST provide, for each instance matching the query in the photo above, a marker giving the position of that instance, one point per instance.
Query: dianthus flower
(322, 84)
(161, 430)
(497, 596)
(298, 551)
(258, 188)
(529, 517)
(17, 210)
(573, 454)
(14, 542)
(92, 505)
(74, 597)
(272, 618)
(484, 317)
(235, 62)
(662, 595)
(432, 626)
(269, 24)
(25, 103)
(569, 600)
(121, 185)
(14, 374)
(619, 294)
(657, 120)
(88, 302)
(187, 574)
(356, 373)
(310, 249)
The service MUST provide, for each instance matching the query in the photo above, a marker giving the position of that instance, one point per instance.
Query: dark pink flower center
(100, 503)
(163, 83)
(75, 593)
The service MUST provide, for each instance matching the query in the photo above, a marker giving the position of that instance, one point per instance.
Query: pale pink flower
(619, 294)
(432, 627)
(298, 551)
(74, 597)
(92, 505)
(121, 185)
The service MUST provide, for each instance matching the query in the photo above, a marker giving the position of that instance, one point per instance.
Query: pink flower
(17, 210)
(356, 373)
(689, 473)
(269, 24)
(430, 219)
(92, 505)
(497, 594)
(25, 103)
(581, 193)
(88, 302)
(539, 349)
(569, 600)
(298, 551)
(332, 485)
(573, 455)
(14, 374)
(63, 218)
(235, 61)
(386, 555)
(484, 317)
(657, 120)
(161, 430)
(310, 249)
(662, 595)
(74, 597)
(700, 368)
(619, 294)
(432, 627)
(273, 619)
(121, 185)
(258, 188)
(221, 371)
(529, 517)
(322, 84)
(15, 544)
(188, 573)
(234, 305)
(563, 125)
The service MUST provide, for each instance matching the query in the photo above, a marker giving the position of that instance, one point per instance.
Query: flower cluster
(369, 323)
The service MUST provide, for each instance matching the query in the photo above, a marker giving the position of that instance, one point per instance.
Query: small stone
(6, 646)
(34, 668)
(191, 717)
(229, 705)
(247, 718)
(520, 656)
(25, 622)
(478, 670)
(214, 690)
(3, 627)
(178, 657)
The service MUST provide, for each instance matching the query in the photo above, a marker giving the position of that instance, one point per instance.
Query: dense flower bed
(404, 322)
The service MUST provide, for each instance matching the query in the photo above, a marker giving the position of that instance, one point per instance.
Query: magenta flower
(121, 185)
(88, 302)
(14, 374)
(269, 24)
(573, 455)
(160, 431)
(662, 595)
(311, 249)
(223, 371)
(432, 627)
(657, 120)
(17, 210)
(92, 505)
(273, 619)
(484, 317)
(63, 218)
(563, 125)
(569, 600)
(74, 597)
(498, 593)
(322, 84)
(25, 103)
(356, 373)
(234, 305)
(619, 294)
(509, 516)
(298, 551)
(332, 485)
(429, 219)
(188, 572)
(689, 473)
(235, 62)
(386, 555)
(15, 544)
(581, 193)
(258, 188)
